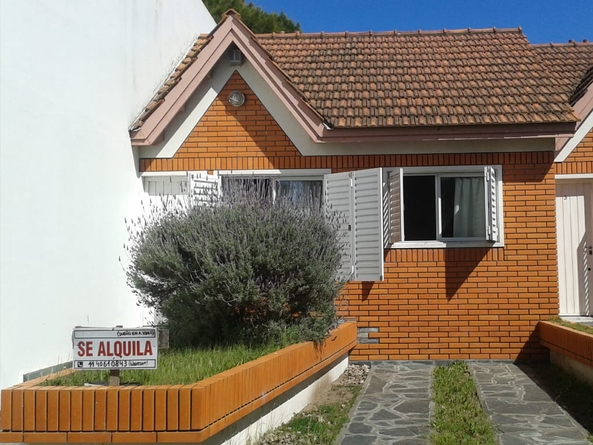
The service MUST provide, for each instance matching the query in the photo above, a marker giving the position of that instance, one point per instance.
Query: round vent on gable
(236, 98)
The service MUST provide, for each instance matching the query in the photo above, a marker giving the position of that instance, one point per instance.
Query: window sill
(443, 245)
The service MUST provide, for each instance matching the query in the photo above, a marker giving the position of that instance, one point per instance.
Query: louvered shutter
(338, 203)
(396, 222)
(165, 185)
(359, 199)
(491, 191)
(386, 210)
(203, 187)
(368, 225)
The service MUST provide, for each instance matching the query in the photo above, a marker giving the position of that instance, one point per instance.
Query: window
(410, 208)
(445, 205)
(298, 190)
(440, 207)
(303, 185)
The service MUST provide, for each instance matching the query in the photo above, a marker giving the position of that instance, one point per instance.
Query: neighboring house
(438, 147)
(75, 75)
(571, 66)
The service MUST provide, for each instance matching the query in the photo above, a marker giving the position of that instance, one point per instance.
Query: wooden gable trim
(584, 109)
(230, 31)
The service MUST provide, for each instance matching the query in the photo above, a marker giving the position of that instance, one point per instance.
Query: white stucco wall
(74, 74)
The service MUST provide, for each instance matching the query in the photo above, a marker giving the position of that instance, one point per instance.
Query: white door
(574, 208)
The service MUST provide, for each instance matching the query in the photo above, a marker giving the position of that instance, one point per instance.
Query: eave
(444, 133)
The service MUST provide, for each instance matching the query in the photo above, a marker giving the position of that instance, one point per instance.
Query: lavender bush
(248, 267)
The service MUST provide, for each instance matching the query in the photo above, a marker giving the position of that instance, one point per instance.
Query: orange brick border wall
(151, 414)
(434, 303)
(571, 343)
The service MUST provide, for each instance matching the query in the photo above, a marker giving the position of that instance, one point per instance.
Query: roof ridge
(323, 34)
(570, 43)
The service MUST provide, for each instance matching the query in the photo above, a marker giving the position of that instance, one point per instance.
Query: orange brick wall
(580, 160)
(434, 303)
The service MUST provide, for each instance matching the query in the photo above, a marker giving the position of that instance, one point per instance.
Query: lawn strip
(175, 367)
(319, 425)
(459, 417)
(575, 326)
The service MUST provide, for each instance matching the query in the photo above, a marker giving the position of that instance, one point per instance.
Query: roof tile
(570, 66)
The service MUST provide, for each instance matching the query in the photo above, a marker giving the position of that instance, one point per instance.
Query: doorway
(574, 220)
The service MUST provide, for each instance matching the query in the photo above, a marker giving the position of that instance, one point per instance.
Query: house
(572, 68)
(75, 75)
(438, 148)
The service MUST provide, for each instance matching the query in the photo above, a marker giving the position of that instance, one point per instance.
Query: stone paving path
(395, 407)
(523, 413)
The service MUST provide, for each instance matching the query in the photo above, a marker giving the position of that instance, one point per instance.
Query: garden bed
(163, 413)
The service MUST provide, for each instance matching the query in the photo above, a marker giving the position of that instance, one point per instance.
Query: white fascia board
(195, 108)
(572, 143)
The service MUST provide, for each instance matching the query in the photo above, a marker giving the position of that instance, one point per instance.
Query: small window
(438, 207)
(445, 206)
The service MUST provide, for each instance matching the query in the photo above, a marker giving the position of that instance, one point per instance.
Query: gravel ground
(354, 375)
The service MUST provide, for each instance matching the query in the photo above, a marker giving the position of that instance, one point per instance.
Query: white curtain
(469, 217)
(301, 191)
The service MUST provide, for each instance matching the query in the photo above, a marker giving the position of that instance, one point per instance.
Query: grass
(318, 426)
(575, 326)
(459, 417)
(175, 367)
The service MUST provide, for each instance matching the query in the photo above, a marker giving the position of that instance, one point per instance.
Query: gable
(237, 132)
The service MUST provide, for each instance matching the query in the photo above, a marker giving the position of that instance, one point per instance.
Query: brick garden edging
(570, 349)
(164, 413)
(574, 344)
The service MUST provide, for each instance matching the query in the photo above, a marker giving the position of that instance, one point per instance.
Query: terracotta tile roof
(420, 78)
(410, 79)
(570, 65)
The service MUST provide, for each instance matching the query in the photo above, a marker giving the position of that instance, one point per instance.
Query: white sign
(114, 348)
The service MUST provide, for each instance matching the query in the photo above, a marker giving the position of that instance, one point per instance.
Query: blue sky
(542, 21)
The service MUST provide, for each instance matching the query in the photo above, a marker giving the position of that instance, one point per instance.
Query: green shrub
(246, 267)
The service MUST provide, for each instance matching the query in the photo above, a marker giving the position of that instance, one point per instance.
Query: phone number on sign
(108, 364)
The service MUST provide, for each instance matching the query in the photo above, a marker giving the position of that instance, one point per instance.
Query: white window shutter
(396, 222)
(368, 225)
(203, 188)
(165, 185)
(386, 210)
(490, 189)
(338, 201)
